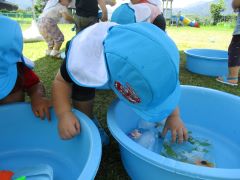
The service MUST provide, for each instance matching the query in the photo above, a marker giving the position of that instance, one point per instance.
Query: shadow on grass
(47, 68)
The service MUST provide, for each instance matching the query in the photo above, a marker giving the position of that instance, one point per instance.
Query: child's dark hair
(236, 5)
(160, 22)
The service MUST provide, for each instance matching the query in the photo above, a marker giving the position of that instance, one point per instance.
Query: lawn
(185, 37)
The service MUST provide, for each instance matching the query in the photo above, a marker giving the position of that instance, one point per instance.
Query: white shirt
(54, 12)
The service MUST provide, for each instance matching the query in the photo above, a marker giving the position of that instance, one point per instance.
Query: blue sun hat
(11, 46)
(139, 61)
(143, 65)
(131, 13)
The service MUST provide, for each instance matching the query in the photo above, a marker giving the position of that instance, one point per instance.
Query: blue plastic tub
(213, 114)
(208, 62)
(27, 141)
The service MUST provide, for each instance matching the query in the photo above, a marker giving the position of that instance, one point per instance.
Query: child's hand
(177, 128)
(104, 18)
(68, 125)
(40, 107)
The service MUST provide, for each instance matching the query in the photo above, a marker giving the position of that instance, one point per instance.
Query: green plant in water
(169, 151)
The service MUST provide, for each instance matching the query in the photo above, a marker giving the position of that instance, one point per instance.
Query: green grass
(21, 20)
(185, 37)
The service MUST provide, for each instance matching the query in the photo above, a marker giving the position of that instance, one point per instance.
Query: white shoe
(55, 53)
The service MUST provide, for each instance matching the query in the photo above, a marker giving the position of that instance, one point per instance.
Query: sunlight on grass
(204, 37)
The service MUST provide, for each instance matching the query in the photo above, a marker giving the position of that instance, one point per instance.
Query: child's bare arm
(61, 91)
(67, 17)
(40, 104)
(102, 5)
(69, 125)
(176, 126)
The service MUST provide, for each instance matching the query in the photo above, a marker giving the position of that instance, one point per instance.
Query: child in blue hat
(108, 53)
(16, 76)
(140, 11)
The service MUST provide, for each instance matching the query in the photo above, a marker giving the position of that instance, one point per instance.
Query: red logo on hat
(127, 92)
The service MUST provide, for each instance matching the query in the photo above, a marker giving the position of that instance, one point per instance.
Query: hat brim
(8, 81)
(163, 110)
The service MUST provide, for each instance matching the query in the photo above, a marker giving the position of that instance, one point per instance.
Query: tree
(39, 5)
(216, 9)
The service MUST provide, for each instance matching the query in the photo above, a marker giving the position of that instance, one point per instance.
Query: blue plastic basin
(212, 114)
(27, 141)
(208, 62)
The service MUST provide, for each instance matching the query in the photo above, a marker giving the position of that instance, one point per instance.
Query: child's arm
(40, 104)
(35, 90)
(104, 10)
(110, 2)
(67, 17)
(69, 125)
(175, 124)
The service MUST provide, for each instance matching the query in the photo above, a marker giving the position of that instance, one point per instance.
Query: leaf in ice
(169, 151)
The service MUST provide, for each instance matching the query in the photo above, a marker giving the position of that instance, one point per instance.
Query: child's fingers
(72, 131)
(185, 134)
(62, 134)
(164, 132)
(42, 114)
(39, 113)
(50, 104)
(65, 134)
(180, 135)
(47, 113)
(77, 126)
(36, 113)
(174, 136)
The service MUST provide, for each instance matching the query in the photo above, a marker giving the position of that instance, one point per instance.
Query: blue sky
(22, 3)
(184, 3)
(176, 3)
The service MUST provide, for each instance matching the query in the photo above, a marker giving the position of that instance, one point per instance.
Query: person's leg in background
(44, 26)
(233, 62)
(84, 22)
(58, 38)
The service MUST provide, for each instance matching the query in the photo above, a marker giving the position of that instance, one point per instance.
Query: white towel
(86, 60)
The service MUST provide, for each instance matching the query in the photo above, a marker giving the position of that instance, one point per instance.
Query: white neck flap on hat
(85, 59)
(142, 12)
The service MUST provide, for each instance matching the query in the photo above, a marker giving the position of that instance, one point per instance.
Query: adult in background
(233, 52)
(87, 13)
